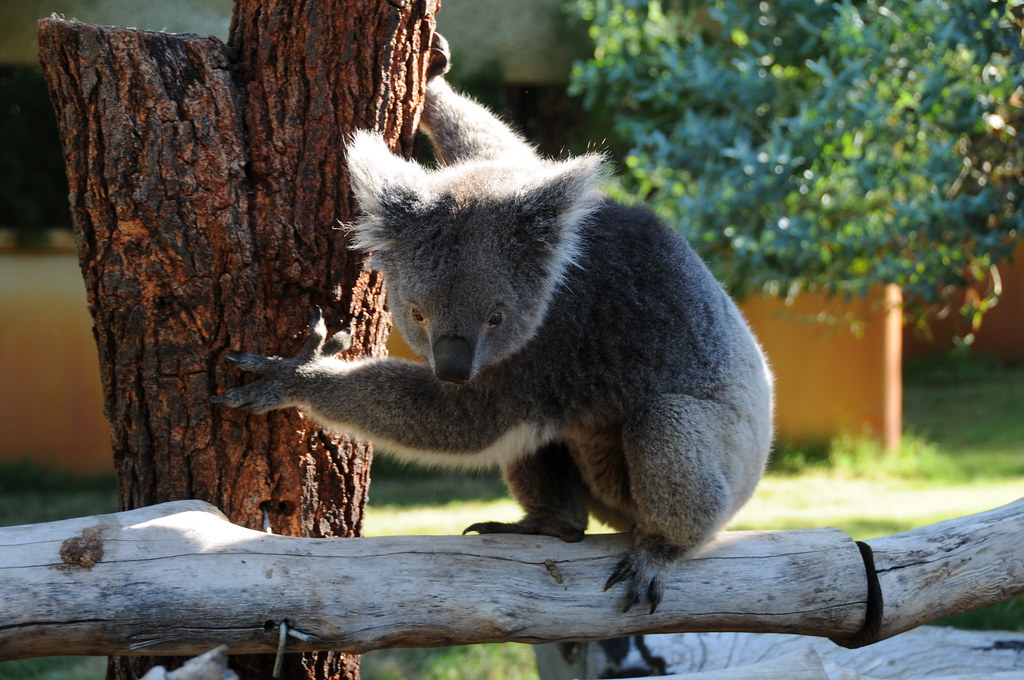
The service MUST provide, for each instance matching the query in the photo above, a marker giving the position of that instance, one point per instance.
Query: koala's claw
(258, 397)
(642, 583)
(337, 343)
(317, 344)
(314, 343)
(644, 567)
(252, 363)
(555, 528)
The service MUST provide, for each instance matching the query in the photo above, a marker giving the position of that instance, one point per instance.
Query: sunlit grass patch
(447, 519)
(473, 662)
(866, 508)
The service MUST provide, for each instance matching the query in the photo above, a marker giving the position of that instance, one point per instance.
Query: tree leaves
(830, 146)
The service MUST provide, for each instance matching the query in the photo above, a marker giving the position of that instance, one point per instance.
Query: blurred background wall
(832, 376)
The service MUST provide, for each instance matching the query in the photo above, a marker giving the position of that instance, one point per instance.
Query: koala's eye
(495, 319)
(417, 315)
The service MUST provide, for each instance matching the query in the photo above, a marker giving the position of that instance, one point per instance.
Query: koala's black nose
(453, 359)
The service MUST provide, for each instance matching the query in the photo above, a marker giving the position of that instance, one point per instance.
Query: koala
(578, 343)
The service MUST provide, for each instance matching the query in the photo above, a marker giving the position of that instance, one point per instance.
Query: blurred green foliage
(827, 146)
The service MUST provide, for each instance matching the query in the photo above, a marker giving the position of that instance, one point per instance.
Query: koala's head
(472, 253)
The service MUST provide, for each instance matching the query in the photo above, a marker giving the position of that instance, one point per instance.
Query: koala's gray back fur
(639, 316)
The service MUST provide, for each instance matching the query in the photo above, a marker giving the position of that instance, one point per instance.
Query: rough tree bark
(207, 185)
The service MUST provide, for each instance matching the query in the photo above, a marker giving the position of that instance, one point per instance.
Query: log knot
(82, 552)
(555, 572)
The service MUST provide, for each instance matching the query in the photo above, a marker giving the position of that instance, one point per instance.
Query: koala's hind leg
(549, 489)
(678, 451)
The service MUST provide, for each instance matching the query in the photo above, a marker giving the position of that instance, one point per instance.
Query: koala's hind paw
(534, 526)
(645, 567)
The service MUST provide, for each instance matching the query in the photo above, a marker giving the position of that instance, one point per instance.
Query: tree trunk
(207, 184)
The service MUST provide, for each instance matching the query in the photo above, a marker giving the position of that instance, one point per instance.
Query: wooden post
(210, 666)
(206, 186)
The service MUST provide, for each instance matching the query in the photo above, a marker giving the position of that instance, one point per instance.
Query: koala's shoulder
(633, 236)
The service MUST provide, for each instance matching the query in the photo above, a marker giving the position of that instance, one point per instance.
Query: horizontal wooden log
(178, 578)
(946, 568)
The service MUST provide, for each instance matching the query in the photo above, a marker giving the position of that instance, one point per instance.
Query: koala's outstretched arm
(399, 405)
(463, 130)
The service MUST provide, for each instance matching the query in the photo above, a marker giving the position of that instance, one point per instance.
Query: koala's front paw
(261, 396)
(645, 567)
(277, 373)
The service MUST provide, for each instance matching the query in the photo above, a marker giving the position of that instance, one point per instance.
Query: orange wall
(831, 378)
(51, 403)
(1002, 329)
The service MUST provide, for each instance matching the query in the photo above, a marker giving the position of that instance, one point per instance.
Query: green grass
(474, 662)
(972, 412)
(30, 493)
(55, 668)
(964, 453)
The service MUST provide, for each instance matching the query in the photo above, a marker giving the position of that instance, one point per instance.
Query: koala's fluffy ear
(561, 201)
(387, 188)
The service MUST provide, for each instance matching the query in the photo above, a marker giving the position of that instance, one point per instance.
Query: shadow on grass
(27, 476)
(31, 493)
(400, 485)
(1007, 615)
(55, 668)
